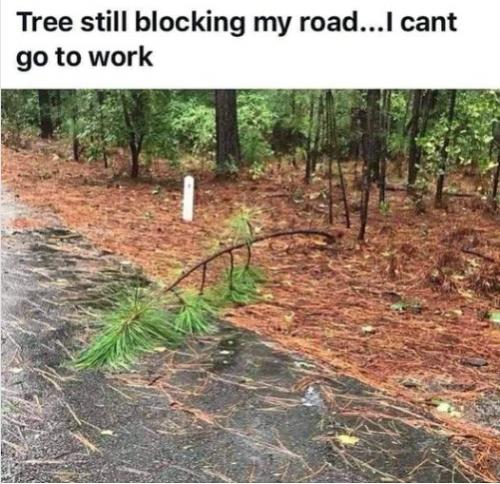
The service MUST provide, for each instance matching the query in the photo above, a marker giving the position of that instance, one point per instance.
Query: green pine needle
(196, 315)
(241, 286)
(241, 225)
(134, 324)
(136, 321)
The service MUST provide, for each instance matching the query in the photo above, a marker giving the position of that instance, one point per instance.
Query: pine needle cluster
(138, 320)
(240, 285)
(134, 324)
(196, 314)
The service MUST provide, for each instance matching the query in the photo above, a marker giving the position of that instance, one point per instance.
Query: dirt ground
(338, 305)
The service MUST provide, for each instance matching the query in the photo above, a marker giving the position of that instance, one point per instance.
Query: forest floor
(405, 312)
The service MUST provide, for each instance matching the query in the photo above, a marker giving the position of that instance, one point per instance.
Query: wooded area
(373, 215)
(436, 132)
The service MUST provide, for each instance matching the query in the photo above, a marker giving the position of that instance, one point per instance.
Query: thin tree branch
(283, 233)
(478, 254)
(203, 278)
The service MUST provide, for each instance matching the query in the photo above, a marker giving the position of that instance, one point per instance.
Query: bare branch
(284, 233)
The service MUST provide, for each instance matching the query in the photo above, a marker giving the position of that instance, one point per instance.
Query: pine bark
(373, 98)
(385, 123)
(134, 112)
(438, 201)
(228, 154)
(413, 153)
(46, 124)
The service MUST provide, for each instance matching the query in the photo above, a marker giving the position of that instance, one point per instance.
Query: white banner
(252, 44)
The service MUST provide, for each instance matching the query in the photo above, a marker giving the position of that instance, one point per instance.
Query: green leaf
(448, 408)
(407, 305)
(494, 317)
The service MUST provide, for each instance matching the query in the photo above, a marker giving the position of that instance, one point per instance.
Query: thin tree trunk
(74, 121)
(133, 119)
(496, 178)
(100, 103)
(427, 103)
(334, 152)
(134, 168)
(76, 148)
(496, 175)
(374, 158)
(57, 103)
(413, 134)
(228, 154)
(46, 125)
(330, 141)
(386, 126)
(372, 101)
(438, 201)
(317, 138)
(309, 155)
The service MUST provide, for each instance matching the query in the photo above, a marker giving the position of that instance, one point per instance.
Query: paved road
(226, 407)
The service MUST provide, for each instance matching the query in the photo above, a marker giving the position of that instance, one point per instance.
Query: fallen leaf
(346, 439)
(448, 408)
(494, 317)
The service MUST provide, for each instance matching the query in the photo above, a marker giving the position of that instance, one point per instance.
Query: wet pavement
(225, 407)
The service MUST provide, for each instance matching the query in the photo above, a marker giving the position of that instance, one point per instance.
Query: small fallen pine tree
(140, 319)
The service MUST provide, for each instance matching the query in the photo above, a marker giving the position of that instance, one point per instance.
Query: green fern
(134, 324)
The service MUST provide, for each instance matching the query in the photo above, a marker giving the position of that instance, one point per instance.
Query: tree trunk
(57, 104)
(334, 152)
(374, 150)
(385, 123)
(438, 201)
(370, 158)
(413, 134)
(496, 178)
(496, 175)
(135, 115)
(331, 150)
(74, 123)
(46, 125)
(76, 148)
(228, 154)
(134, 167)
(316, 150)
(309, 153)
(100, 103)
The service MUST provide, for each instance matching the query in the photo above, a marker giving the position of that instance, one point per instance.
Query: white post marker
(188, 199)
